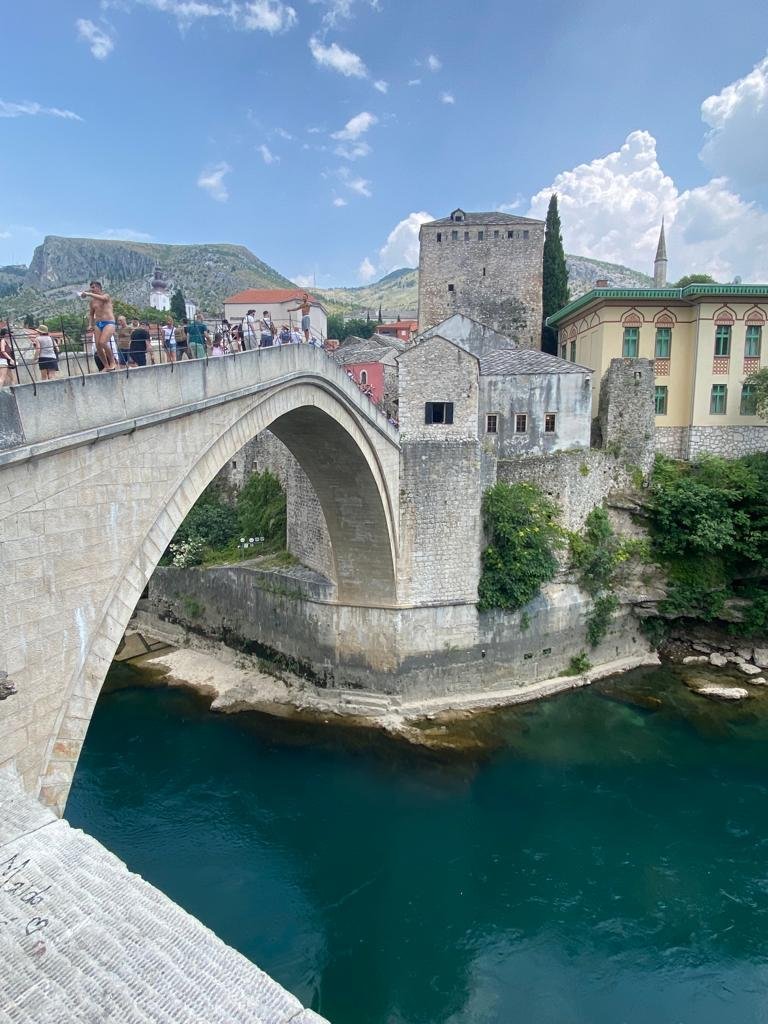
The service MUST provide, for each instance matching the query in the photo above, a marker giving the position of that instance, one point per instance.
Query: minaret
(660, 263)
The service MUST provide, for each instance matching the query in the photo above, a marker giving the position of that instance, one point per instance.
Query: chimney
(601, 282)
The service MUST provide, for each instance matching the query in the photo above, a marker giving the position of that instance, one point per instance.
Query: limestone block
(718, 660)
(761, 657)
(723, 693)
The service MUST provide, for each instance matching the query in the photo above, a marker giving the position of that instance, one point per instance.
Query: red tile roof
(257, 295)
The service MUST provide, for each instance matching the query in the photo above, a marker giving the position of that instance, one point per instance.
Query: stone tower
(660, 263)
(159, 291)
(487, 266)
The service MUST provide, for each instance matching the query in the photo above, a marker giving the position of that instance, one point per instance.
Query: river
(585, 861)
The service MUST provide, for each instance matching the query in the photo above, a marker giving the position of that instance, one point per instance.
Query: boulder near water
(760, 657)
(718, 660)
(749, 670)
(725, 693)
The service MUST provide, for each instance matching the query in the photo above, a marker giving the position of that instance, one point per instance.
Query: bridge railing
(38, 412)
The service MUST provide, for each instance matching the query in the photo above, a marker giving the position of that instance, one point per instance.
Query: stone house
(404, 330)
(461, 379)
(703, 339)
(487, 266)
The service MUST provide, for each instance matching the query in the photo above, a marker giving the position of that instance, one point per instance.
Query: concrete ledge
(84, 939)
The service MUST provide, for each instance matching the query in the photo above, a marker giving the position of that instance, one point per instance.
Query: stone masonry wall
(307, 538)
(578, 481)
(496, 281)
(730, 442)
(627, 413)
(672, 441)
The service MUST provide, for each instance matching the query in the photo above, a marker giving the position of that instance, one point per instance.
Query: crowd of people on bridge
(115, 344)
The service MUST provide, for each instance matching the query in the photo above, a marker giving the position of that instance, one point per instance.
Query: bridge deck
(84, 939)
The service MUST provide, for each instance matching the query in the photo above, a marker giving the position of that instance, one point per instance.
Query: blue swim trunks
(101, 324)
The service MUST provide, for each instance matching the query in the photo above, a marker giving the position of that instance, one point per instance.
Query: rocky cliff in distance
(205, 273)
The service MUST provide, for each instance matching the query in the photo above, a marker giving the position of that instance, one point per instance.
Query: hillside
(206, 273)
(398, 292)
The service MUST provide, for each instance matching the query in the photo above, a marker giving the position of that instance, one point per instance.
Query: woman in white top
(47, 353)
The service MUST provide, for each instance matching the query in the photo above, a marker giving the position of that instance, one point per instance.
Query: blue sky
(320, 134)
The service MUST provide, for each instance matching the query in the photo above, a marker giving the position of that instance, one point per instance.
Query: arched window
(363, 376)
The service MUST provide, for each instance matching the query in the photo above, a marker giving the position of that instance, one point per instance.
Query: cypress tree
(178, 306)
(554, 275)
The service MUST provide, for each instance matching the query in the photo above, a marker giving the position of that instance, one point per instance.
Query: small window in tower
(438, 412)
(495, 234)
(483, 271)
(466, 236)
(492, 424)
(550, 423)
(363, 376)
(521, 423)
(450, 288)
(510, 234)
(439, 236)
(525, 236)
(234, 464)
(454, 236)
(480, 236)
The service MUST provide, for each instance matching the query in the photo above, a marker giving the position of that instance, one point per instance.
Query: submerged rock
(726, 693)
(718, 660)
(696, 659)
(749, 670)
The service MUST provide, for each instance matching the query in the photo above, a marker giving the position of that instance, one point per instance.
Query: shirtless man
(304, 306)
(104, 327)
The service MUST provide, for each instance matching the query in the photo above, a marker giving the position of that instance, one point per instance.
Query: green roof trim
(738, 290)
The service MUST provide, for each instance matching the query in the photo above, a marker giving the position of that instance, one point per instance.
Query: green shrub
(600, 617)
(523, 536)
(261, 508)
(579, 664)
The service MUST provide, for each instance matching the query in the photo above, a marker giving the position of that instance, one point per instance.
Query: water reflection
(604, 862)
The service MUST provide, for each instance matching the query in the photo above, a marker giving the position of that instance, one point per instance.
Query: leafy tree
(694, 279)
(30, 321)
(178, 306)
(337, 328)
(555, 275)
(523, 535)
(759, 383)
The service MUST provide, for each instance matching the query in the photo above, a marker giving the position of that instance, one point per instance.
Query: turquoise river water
(591, 859)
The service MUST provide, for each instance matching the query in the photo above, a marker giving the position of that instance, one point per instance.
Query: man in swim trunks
(304, 306)
(101, 316)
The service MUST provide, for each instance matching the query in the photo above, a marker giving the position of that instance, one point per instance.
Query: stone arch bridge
(96, 475)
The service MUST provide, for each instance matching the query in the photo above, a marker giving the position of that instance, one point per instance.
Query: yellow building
(704, 340)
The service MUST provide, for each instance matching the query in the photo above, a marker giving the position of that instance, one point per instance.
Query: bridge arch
(140, 485)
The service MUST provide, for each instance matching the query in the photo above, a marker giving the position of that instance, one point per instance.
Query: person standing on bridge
(101, 315)
(47, 353)
(305, 307)
(7, 362)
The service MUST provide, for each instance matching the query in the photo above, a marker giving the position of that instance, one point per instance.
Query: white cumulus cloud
(100, 42)
(366, 271)
(447, 97)
(611, 209)
(360, 186)
(211, 180)
(433, 63)
(737, 141)
(352, 150)
(401, 248)
(356, 126)
(270, 16)
(267, 155)
(338, 59)
(29, 109)
(381, 86)
(338, 201)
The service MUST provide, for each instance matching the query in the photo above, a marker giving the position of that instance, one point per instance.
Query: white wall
(235, 311)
